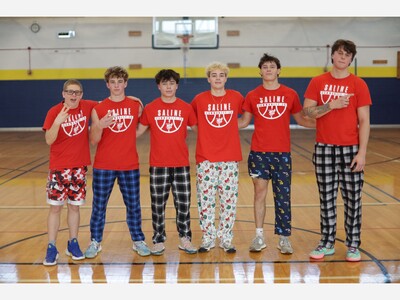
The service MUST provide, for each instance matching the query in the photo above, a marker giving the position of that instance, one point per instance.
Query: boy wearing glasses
(66, 131)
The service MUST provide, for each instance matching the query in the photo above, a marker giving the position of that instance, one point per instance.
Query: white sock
(259, 232)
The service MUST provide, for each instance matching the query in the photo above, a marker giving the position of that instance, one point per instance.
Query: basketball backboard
(190, 32)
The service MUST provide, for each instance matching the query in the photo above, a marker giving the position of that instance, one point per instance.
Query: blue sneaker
(141, 248)
(74, 250)
(51, 256)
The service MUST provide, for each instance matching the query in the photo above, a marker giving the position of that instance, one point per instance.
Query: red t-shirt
(339, 126)
(271, 110)
(71, 147)
(117, 147)
(218, 133)
(168, 124)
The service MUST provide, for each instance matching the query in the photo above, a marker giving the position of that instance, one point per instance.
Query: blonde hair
(217, 66)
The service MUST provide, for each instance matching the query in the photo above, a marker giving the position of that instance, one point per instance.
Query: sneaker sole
(74, 257)
(187, 251)
(86, 256)
(141, 253)
(258, 249)
(356, 259)
(45, 263)
(321, 256)
(285, 252)
(228, 250)
(353, 259)
(157, 253)
(205, 249)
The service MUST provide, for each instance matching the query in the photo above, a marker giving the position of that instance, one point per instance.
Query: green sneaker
(321, 251)
(93, 249)
(353, 254)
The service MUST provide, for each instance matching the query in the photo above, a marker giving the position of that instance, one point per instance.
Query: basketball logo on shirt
(169, 120)
(272, 107)
(332, 92)
(219, 115)
(74, 125)
(122, 119)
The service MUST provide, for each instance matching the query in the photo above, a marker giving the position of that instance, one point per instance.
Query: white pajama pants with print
(212, 179)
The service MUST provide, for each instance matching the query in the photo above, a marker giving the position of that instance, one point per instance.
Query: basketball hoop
(185, 41)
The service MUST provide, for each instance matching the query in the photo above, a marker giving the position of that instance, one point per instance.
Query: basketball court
(23, 217)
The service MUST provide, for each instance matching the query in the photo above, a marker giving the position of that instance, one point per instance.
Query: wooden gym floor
(23, 217)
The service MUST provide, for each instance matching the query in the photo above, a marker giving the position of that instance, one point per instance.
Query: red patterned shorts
(66, 184)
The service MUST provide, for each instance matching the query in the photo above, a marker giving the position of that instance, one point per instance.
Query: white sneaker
(158, 249)
(257, 244)
(186, 245)
(227, 246)
(284, 245)
(206, 246)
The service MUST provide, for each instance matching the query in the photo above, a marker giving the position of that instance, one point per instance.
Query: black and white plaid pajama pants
(162, 180)
(332, 169)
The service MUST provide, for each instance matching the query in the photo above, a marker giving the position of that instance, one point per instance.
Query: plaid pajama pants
(162, 180)
(332, 169)
(103, 182)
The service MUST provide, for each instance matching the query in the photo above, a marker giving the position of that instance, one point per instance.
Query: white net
(185, 41)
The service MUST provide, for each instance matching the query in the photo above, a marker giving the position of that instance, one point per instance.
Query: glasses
(71, 92)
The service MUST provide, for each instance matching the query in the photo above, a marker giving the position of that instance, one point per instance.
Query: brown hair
(266, 57)
(116, 72)
(347, 46)
(72, 82)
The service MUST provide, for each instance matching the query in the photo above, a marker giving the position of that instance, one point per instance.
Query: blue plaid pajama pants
(128, 182)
